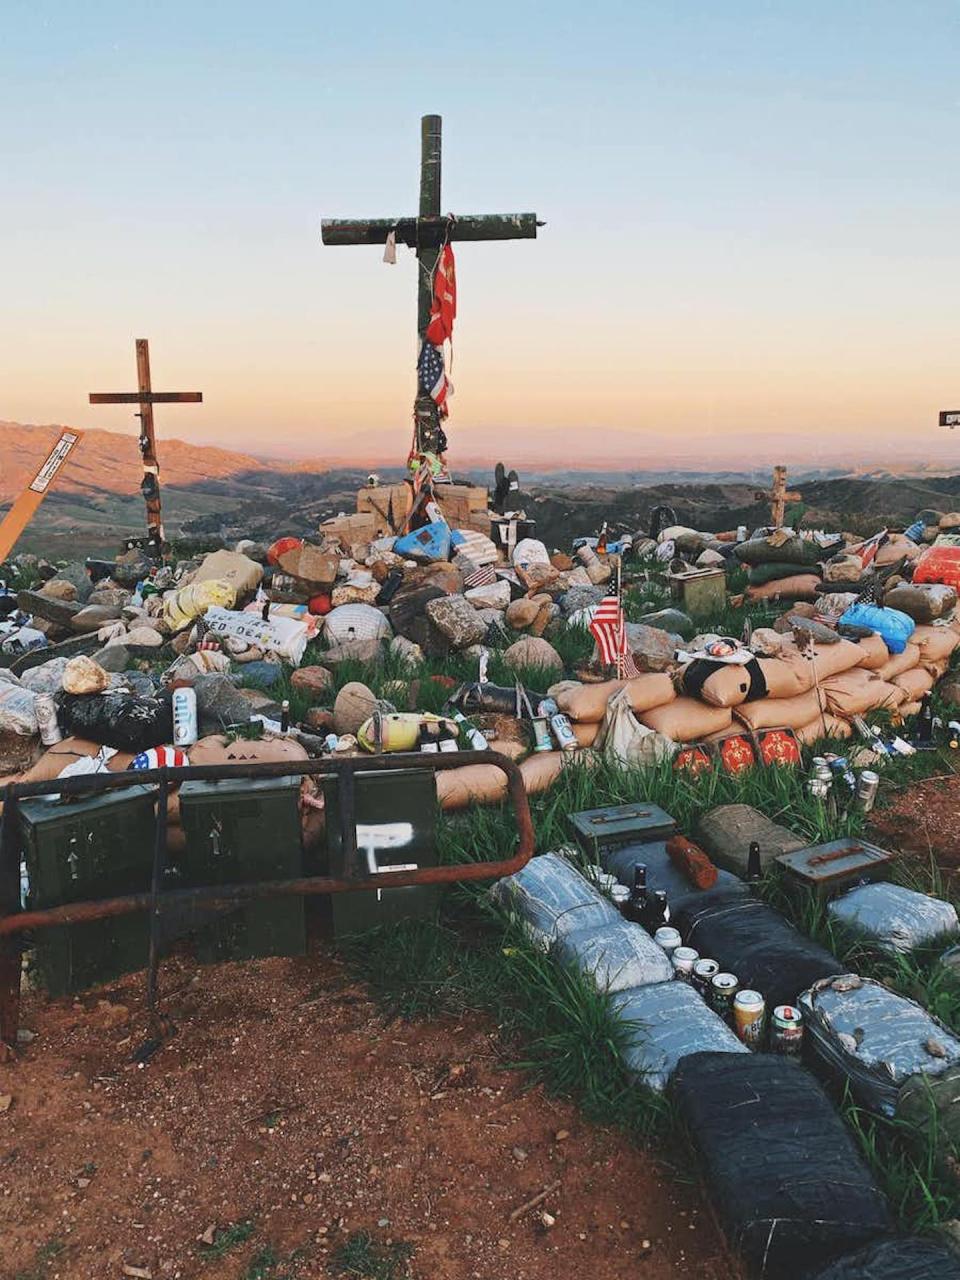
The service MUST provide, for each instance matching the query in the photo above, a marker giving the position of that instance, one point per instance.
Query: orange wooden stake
(22, 511)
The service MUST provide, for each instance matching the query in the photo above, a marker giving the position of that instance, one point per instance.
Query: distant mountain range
(211, 493)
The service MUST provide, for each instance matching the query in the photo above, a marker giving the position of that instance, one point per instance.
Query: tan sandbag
(513, 750)
(935, 643)
(900, 662)
(937, 669)
(895, 549)
(799, 586)
(773, 713)
(242, 573)
(585, 732)
(687, 719)
(875, 652)
(217, 749)
(470, 785)
(830, 659)
(915, 683)
(728, 686)
(541, 770)
(53, 762)
(853, 692)
(587, 703)
(827, 726)
(907, 711)
(652, 690)
(785, 679)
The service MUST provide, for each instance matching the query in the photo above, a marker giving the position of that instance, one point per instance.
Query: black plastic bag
(790, 1185)
(493, 698)
(752, 940)
(906, 1258)
(127, 721)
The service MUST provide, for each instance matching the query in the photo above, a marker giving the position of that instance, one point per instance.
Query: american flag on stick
(609, 629)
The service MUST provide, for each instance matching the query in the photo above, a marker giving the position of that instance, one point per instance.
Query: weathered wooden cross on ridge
(146, 398)
(427, 233)
(777, 497)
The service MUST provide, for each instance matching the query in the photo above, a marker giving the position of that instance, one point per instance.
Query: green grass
(366, 1258)
(46, 1254)
(228, 1238)
(267, 1264)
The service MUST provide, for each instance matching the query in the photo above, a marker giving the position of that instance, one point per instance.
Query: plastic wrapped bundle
(552, 898)
(788, 1180)
(906, 1258)
(895, 918)
(616, 955)
(671, 1022)
(663, 874)
(756, 943)
(861, 1031)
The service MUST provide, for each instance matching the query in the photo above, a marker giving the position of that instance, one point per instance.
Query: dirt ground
(923, 824)
(285, 1101)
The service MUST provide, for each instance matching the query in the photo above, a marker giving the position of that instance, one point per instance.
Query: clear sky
(751, 252)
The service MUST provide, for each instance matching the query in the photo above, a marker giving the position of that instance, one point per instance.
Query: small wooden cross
(146, 398)
(427, 233)
(777, 497)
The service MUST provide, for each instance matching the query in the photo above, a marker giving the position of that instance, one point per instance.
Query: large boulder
(457, 619)
(495, 596)
(219, 703)
(532, 652)
(408, 612)
(313, 681)
(578, 598)
(653, 649)
(354, 704)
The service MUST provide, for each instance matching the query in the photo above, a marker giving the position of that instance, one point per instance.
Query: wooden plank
(146, 397)
(469, 227)
(25, 506)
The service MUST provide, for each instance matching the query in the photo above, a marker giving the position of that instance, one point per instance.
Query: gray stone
(47, 678)
(109, 596)
(457, 619)
(672, 620)
(76, 573)
(62, 612)
(219, 703)
(580, 598)
(351, 651)
(653, 649)
(94, 616)
(115, 657)
(263, 673)
(409, 653)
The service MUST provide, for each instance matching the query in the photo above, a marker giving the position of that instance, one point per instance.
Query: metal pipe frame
(14, 920)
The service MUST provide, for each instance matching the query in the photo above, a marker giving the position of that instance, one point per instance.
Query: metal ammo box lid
(621, 824)
(836, 864)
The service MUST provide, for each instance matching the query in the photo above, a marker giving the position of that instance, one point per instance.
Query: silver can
(723, 991)
(684, 958)
(185, 727)
(668, 938)
(46, 711)
(786, 1030)
(867, 785)
(741, 533)
(704, 972)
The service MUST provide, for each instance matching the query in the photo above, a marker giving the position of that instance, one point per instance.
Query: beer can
(723, 991)
(748, 1014)
(786, 1030)
(606, 882)
(331, 742)
(185, 729)
(703, 974)
(684, 958)
(563, 732)
(620, 896)
(46, 711)
(867, 785)
(741, 533)
(541, 734)
(668, 938)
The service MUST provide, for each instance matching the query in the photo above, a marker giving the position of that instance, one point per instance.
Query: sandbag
(127, 721)
(915, 683)
(668, 1022)
(861, 1032)
(938, 564)
(772, 713)
(723, 684)
(760, 574)
(587, 703)
(541, 770)
(585, 732)
(895, 548)
(752, 940)
(928, 1106)
(935, 643)
(875, 652)
(783, 1169)
(801, 586)
(615, 956)
(687, 719)
(285, 637)
(662, 873)
(68, 751)
(823, 727)
(785, 678)
(270, 749)
(854, 692)
(727, 832)
(242, 573)
(550, 896)
(898, 663)
(627, 743)
(843, 568)
(181, 607)
(829, 659)
(893, 626)
(653, 689)
(791, 551)
(472, 784)
(902, 1258)
(924, 602)
(893, 917)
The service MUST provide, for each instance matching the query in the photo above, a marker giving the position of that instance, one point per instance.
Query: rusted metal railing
(15, 921)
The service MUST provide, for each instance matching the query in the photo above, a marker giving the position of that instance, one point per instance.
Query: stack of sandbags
(585, 704)
(781, 566)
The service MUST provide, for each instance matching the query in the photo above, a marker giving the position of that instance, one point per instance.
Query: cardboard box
(390, 504)
(363, 527)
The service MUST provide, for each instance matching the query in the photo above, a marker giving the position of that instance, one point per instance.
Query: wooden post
(429, 437)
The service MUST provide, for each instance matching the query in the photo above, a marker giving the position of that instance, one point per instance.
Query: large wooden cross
(778, 496)
(146, 398)
(426, 233)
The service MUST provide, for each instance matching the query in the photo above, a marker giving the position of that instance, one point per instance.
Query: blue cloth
(893, 627)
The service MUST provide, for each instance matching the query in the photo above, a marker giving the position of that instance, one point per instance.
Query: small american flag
(433, 377)
(609, 629)
(479, 576)
(868, 550)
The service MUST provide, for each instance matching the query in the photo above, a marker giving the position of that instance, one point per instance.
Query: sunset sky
(751, 251)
